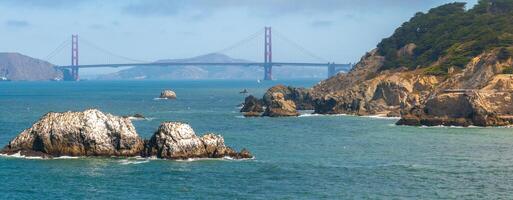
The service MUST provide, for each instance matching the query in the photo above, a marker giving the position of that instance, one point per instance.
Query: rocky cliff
(18, 67)
(93, 133)
(428, 74)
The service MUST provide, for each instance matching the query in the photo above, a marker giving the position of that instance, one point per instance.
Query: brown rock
(252, 105)
(300, 96)
(279, 107)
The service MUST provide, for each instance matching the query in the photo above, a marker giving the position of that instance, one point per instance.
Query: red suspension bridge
(72, 71)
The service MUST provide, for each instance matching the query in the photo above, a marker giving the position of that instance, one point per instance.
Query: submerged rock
(279, 107)
(168, 94)
(87, 133)
(252, 107)
(176, 140)
(136, 116)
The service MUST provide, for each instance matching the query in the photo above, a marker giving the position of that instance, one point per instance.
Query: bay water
(306, 157)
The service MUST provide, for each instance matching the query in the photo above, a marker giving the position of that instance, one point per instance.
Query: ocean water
(308, 157)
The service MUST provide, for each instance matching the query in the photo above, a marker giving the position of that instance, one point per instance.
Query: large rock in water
(176, 140)
(463, 108)
(279, 107)
(87, 133)
(300, 96)
(168, 94)
(252, 107)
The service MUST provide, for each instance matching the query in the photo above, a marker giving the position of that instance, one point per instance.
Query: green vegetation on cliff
(449, 36)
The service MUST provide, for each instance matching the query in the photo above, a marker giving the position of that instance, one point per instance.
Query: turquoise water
(309, 157)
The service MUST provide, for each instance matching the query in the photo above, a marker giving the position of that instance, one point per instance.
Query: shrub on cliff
(450, 32)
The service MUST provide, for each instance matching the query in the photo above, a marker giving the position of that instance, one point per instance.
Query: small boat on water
(2, 78)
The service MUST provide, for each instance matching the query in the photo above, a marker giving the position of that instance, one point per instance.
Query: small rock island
(167, 94)
(278, 101)
(94, 133)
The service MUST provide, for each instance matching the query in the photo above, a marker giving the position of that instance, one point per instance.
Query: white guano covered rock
(176, 140)
(87, 133)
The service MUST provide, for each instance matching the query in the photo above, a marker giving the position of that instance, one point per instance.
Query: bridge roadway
(206, 64)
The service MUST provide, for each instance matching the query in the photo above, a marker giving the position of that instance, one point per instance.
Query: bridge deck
(207, 64)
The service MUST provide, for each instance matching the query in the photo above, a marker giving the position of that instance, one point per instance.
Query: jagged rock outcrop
(300, 96)
(88, 133)
(168, 94)
(176, 140)
(93, 133)
(366, 91)
(280, 107)
(252, 107)
(463, 108)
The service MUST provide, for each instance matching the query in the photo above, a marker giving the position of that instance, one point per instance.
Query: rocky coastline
(478, 95)
(94, 133)
(426, 73)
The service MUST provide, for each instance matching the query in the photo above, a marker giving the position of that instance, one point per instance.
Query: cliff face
(367, 91)
(478, 94)
(429, 74)
(18, 67)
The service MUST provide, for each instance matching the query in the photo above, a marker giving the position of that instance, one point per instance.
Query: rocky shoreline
(427, 73)
(478, 95)
(93, 133)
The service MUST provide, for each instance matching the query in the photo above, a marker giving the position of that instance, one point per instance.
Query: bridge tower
(268, 55)
(74, 57)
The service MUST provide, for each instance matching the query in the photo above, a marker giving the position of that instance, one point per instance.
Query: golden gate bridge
(72, 71)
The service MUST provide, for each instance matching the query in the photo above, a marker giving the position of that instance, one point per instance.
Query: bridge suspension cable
(241, 42)
(57, 50)
(296, 45)
(87, 42)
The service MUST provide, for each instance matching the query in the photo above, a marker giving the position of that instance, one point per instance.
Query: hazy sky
(336, 30)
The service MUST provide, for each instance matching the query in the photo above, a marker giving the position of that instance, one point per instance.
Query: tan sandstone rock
(279, 107)
(168, 94)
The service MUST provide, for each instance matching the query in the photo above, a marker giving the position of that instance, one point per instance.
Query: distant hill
(19, 67)
(194, 72)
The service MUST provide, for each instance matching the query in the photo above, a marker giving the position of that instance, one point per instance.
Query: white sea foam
(158, 99)
(133, 161)
(140, 118)
(66, 157)
(320, 115)
(381, 117)
(18, 155)
(205, 159)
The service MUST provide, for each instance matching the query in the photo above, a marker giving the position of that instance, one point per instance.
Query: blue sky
(335, 30)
